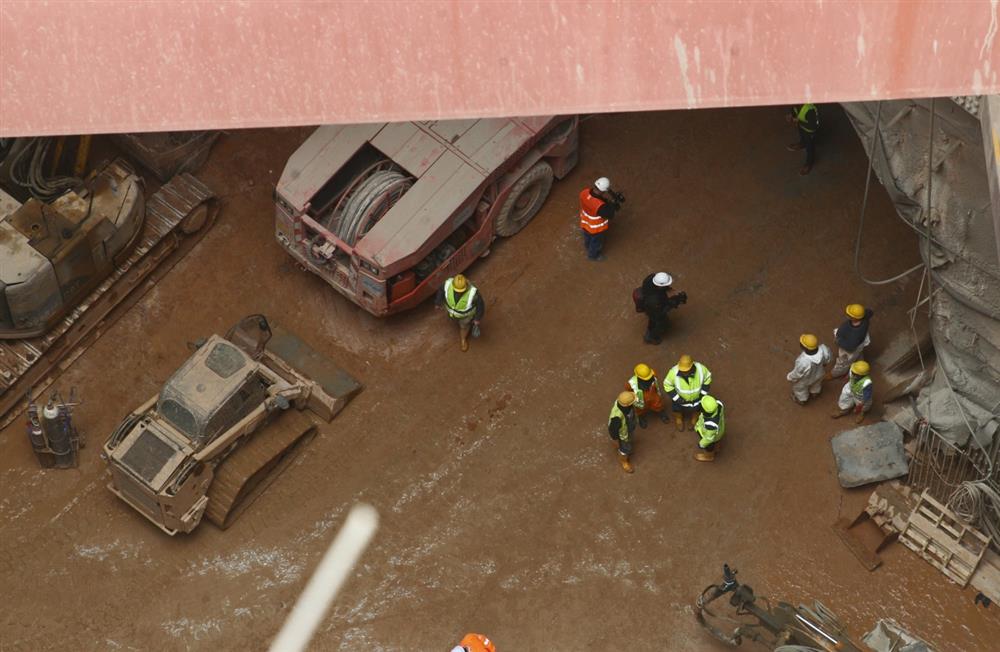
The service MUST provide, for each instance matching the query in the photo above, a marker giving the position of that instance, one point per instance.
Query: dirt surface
(503, 509)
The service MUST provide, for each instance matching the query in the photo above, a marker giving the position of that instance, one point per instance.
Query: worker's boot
(840, 413)
(794, 147)
(679, 421)
(704, 456)
(694, 420)
(859, 417)
(626, 465)
(796, 399)
(805, 169)
(664, 417)
(465, 341)
(642, 421)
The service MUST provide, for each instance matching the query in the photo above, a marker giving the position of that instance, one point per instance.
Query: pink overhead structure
(76, 67)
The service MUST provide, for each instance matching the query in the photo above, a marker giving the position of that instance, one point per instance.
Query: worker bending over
(654, 299)
(621, 425)
(807, 374)
(852, 338)
(645, 386)
(856, 396)
(598, 205)
(465, 305)
(475, 643)
(806, 118)
(711, 427)
(686, 383)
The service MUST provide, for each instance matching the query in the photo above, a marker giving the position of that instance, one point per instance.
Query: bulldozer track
(32, 364)
(255, 464)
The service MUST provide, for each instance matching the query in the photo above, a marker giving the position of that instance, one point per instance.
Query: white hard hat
(663, 280)
(603, 184)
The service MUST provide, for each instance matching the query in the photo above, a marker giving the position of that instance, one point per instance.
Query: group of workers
(810, 369)
(688, 385)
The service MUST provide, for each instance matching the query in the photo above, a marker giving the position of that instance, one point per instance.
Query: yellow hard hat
(643, 371)
(860, 368)
(855, 311)
(626, 399)
(459, 283)
(808, 340)
(709, 404)
(685, 363)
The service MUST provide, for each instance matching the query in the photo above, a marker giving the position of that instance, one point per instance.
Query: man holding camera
(598, 204)
(654, 299)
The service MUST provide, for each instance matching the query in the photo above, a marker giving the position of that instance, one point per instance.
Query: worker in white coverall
(806, 376)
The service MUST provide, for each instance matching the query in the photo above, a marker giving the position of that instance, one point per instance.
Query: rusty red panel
(75, 67)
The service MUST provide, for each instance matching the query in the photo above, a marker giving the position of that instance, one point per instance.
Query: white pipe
(329, 576)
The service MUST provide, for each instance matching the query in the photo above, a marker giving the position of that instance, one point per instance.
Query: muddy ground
(503, 509)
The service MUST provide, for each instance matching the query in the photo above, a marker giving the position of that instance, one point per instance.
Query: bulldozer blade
(336, 385)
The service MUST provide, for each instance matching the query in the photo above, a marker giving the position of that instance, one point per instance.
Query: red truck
(386, 212)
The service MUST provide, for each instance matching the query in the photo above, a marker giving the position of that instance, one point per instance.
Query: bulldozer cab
(215, 388)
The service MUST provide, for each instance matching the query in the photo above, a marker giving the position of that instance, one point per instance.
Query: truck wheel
(524, 200)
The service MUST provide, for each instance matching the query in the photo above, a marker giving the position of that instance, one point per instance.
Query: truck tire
(525, 198)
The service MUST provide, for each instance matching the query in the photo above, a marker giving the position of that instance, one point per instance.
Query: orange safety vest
(590, 221)
(478, 643)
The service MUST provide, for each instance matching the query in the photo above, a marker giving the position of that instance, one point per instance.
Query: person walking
(685, 384)
(807, 374)
(464, 303)
(852, 337)
(621, 425)
(806, 118)
(475, 643)
(653, 298)
(710, 428)
(856, 395)
(645, 386)
(598, 205)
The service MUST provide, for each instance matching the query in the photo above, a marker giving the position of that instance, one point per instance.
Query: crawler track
(33, 363)
(255, 464)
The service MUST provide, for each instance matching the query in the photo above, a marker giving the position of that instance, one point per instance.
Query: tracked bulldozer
(211, 440)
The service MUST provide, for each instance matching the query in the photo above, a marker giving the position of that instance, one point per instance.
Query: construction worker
(711, 427)
(598, 204)
(685, 384)
(646, 388)
(806, 117)
(856, 396)
(807, 374)
(852, 338)
(475, 643)
(465, 304)
(654, 299)
(621, 425)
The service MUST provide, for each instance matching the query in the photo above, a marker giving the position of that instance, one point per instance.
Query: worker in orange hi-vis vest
(475, 643)
(598, 204)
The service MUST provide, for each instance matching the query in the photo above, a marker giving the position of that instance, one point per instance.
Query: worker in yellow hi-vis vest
(806, 118)
(465, 304)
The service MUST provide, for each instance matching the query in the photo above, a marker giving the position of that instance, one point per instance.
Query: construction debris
(936, 534)
(888, 636)
(869, 454)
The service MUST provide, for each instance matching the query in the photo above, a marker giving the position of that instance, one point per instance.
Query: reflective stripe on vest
(801, 116)
(714, 427)
(640, 399)
(858, 388)
(623, 428)
(690, 390)
(590, 221)
(464, 306)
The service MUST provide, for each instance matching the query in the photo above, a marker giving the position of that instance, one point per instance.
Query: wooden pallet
(936, 534)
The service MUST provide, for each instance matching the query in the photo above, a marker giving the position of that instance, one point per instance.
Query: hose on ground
(382, 186)
(977, 502)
